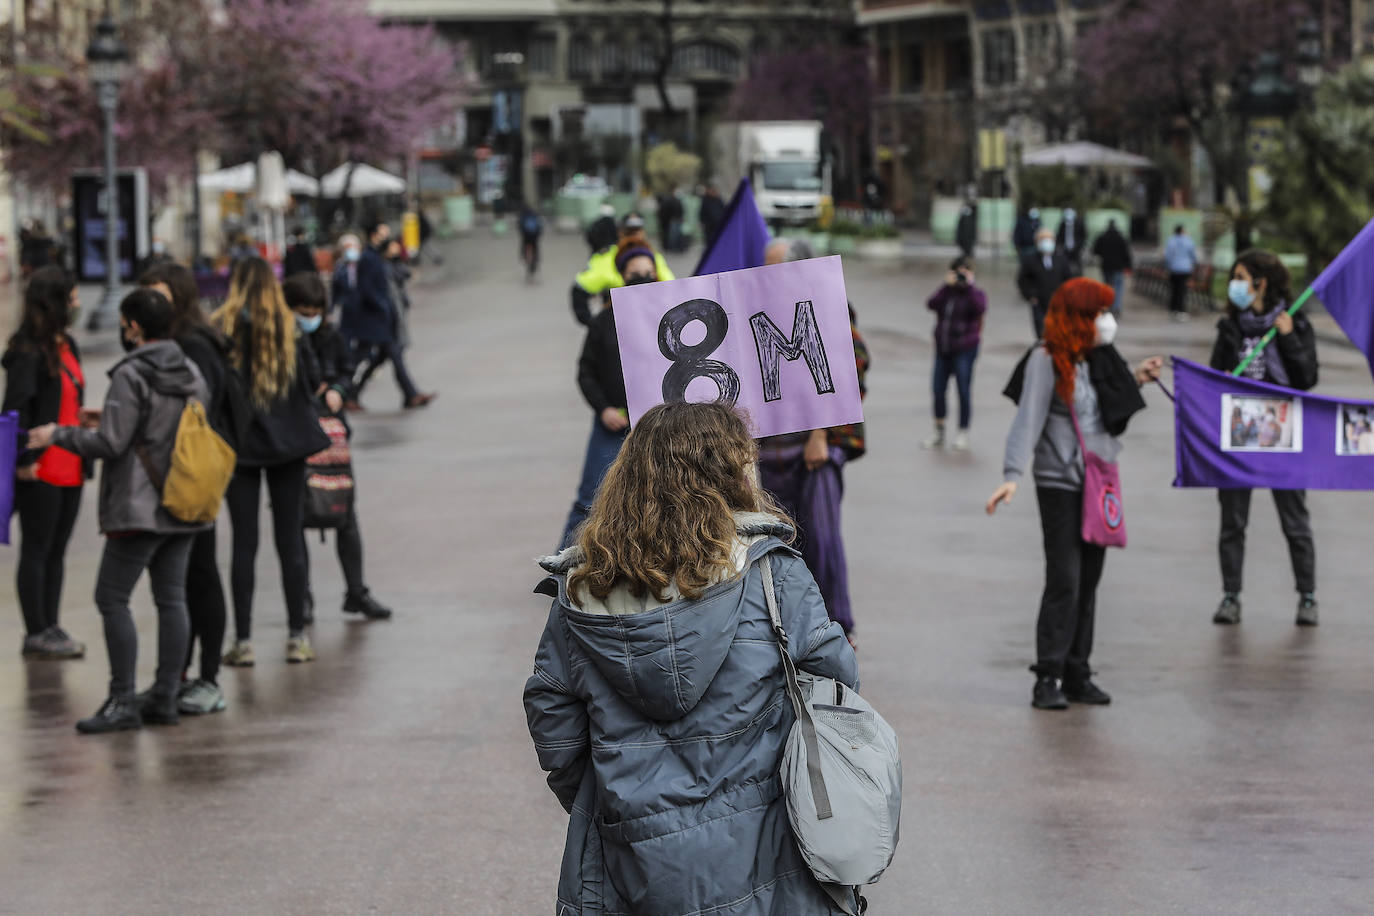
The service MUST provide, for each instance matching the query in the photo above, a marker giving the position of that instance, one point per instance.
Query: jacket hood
(164, 366)
(663, 658)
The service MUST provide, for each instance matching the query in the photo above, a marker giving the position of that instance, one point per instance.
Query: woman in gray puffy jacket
(657, 703)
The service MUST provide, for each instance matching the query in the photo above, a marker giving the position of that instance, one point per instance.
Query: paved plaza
(395, 775)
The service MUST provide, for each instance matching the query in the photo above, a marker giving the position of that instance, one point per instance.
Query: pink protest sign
(774, 341)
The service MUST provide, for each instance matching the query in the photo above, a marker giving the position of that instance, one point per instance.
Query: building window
(612, 59)
(1043, 47)
(999, 57)
(580, 49)
(707, 58)
(912, 77)
(543, 55)
(958, 65)
(644, 57)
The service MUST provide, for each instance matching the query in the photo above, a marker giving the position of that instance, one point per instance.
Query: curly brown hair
(255, 317)
(665, 514)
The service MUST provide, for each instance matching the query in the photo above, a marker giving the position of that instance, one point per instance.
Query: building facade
(562, 87)
(946, 68)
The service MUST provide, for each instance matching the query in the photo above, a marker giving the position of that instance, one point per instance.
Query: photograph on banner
(773, 341)
(1260, 424)
(1355, 431)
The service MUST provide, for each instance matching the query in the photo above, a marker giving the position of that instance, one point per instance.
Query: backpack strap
(819, 794)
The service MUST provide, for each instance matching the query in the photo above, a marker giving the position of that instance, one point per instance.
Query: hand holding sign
(774, 341)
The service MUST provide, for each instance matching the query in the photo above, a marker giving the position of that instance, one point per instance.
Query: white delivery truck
(781, 159)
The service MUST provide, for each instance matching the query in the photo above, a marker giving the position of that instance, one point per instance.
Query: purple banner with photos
(774, 341)
(1237, 432)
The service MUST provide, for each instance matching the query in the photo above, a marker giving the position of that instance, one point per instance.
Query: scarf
(1268, 364)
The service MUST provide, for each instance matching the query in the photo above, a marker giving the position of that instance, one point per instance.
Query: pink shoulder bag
(1104, 516)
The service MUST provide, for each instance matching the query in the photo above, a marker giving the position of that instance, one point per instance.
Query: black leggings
(349, 541)
(47, 515)
(205, 603)
(286, 492)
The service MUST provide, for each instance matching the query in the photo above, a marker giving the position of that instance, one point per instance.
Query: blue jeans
(1116, 280)
(960, 365)
(602, 448)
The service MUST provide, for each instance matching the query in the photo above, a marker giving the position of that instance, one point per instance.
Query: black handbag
(329, 490)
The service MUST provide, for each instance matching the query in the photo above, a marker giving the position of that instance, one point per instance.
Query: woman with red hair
(1075, 370)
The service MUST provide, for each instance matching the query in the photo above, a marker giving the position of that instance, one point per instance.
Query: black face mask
(637, 279)
(128, 345)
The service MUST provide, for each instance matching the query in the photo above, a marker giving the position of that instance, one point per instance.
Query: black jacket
(33, 392)
(712, 215)
(1112, 249)
(335, 359)
(228, 410)
(289, 430)
(1035, 282)
(966, 233)
(1118, 395)
(300, 259)
(599, 373)
(1297, 350)
(1073, 252)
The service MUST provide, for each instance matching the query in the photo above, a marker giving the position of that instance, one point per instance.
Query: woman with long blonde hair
(657, 703)
(1074, 379)
(284, 431)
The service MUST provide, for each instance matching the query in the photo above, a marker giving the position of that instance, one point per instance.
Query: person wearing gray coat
(662, 732)
(148, 390)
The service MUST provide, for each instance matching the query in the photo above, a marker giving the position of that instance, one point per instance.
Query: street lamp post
(105, 57)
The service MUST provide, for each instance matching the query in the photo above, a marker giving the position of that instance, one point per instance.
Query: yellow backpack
(202, 464)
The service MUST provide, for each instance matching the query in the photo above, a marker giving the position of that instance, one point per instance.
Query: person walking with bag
(657, 704)
(1259, 294)
(149, 390)
(959, 307)
(284, 430)
(229, 414)
(44, 384)
(1075, 395)
(305, 295)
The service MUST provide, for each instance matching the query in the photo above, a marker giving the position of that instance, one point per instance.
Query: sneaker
(240, 656)
(157, 709)
(961, 441)
(1228, 612)
(50, 644)
(363, 603)
(117, 714)
(934, 440)
(1307, 610)
(420, 400)
(70, 648)
(1085, 691)
(308, 617)
(298, 650)
(1047, 695)
(199, 698)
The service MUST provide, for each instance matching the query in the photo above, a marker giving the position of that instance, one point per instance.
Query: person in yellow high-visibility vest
(601, 274)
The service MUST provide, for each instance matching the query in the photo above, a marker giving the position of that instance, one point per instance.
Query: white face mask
(1106, 329)
(1046, 246)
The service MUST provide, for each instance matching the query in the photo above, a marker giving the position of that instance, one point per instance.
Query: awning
(242, 179)
(1083, 154)
(367, 181)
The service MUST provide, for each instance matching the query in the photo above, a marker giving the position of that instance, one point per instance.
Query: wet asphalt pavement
(395, 775)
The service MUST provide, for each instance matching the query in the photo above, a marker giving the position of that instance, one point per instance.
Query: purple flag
(9, 457)
(742, 239)
(1346, 288)
(1237, 432)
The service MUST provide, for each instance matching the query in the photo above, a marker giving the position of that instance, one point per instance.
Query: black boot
(1047, 695)
(363, 603)
(116, 714)
(1083, 690)
(157, 709)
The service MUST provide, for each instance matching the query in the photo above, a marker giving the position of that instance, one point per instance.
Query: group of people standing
(264, 368)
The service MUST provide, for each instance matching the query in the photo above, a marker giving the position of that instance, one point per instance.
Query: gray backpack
(841, 775)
